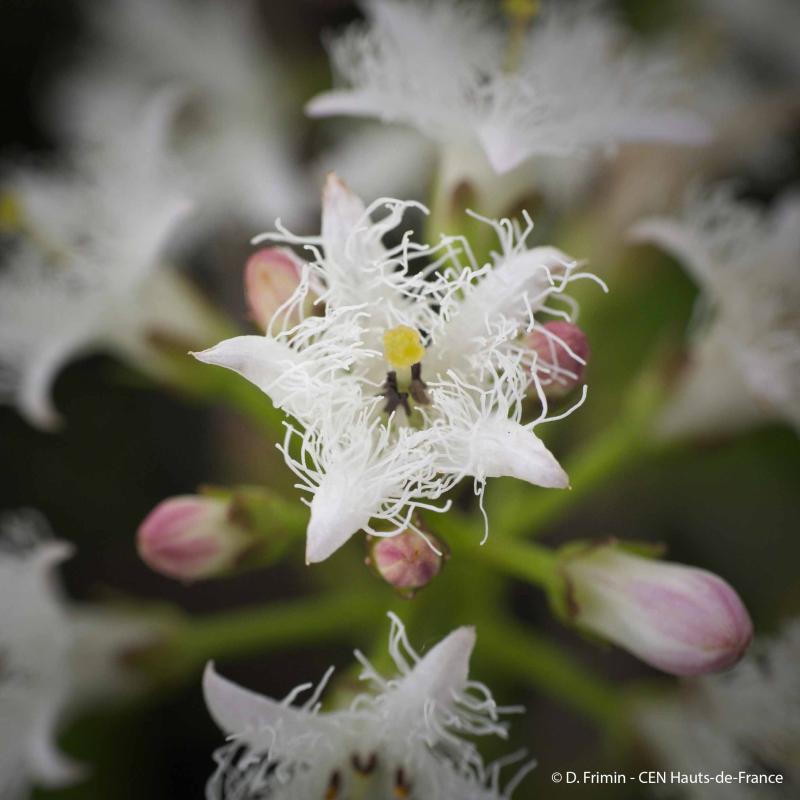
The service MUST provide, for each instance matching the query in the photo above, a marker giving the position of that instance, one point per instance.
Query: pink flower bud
(563, 352)
(190, 537)
(271, 276)
(680, 619)
(406, 561)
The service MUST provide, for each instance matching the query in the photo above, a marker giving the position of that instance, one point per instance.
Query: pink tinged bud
(271, 276)
(406, 561)
(562, 352)
(679, 619)
(190, 538)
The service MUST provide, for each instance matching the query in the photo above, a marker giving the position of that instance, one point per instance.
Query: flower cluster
(412, 374)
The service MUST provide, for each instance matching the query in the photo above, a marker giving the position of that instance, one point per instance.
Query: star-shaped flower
(443, 68)
(405, 738)
(413, 374)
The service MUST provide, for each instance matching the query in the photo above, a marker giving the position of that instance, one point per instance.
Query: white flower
(411, 378)
(402, 739)
(441, 68)
(745, 362)
(53, 657)
(747, 719)
(235, 135)
(81, 271)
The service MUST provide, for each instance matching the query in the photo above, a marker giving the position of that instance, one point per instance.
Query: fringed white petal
(504, 448)
(342, 212)
(338, 512)
(259, 359)
(442, 673)
(251, 717)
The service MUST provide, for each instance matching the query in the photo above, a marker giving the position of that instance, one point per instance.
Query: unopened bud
(562, 352)
(271, 276)
(679, 619)
(191, 537)
(406, 561)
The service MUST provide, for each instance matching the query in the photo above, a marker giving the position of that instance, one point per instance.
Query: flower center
(367, 775)
(402, 346)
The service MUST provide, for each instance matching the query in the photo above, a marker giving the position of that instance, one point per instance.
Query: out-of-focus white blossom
(744, 364)
(54, 657)
(745, 720)
(236, 134)
(412, 378)
(405, 738)
(82, 270)
(442, 68)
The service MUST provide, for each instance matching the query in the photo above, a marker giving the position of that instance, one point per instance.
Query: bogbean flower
(235, 134)
(744, 362)
(404, 738)
(746, 720)
(414, 374)
(443, 68)
(54, 657)
(82, 270)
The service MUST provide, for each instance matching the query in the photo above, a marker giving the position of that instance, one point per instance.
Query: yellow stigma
(11, 216)
(402, 346)
(521, 10)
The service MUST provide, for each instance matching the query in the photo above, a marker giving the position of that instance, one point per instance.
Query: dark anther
(402, 787)
(334, 786)
(417, 388)
(394, 398)
(366, 767)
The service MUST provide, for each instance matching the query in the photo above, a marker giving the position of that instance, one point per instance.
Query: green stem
(610, 454)
(249, 631)
(518, 559)
(614, 451)
(521, 654)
